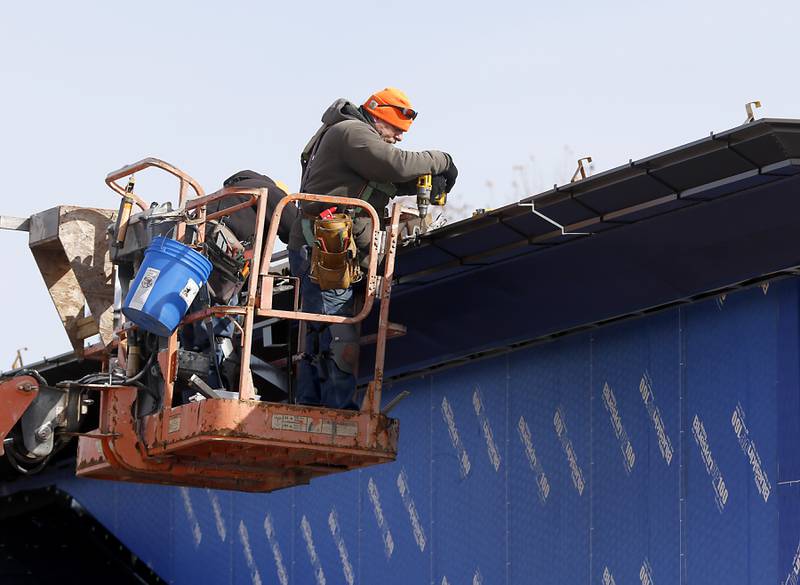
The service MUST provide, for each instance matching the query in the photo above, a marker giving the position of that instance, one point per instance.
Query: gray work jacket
(351, 154)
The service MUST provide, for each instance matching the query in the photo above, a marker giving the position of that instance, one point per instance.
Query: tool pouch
(226, 254)
(334, 256)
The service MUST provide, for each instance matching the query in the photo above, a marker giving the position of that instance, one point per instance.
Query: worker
(353, 154)
(228, 240)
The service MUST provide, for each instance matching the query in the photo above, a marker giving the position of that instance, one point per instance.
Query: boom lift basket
(242, 443)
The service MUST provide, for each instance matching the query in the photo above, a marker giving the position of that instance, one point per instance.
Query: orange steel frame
(16, 396)
(260, 278)
(212, 441)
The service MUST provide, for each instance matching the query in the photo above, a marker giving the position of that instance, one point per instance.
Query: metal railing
(260, 282)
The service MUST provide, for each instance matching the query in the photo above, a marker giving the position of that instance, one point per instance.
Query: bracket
(580, 172)
(751, 116)
(18, 360)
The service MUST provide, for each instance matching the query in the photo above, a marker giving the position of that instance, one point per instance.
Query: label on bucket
(189, 291)
(144, 289)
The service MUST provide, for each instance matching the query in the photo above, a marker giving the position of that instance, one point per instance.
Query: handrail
(128, 170)
(265, 301)
(260, 281)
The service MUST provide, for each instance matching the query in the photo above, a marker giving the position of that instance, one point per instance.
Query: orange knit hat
(393, 106)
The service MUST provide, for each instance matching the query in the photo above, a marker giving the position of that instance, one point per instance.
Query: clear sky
(515, 91)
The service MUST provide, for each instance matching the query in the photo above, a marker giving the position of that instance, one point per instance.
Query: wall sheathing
(658, 450)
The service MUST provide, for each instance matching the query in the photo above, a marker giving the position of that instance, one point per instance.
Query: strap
(309, 152)
(390, 189)
(308, 233)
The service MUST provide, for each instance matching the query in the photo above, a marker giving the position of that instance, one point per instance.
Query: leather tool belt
(334, 256)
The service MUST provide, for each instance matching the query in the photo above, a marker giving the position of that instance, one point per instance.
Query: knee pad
(344, 347)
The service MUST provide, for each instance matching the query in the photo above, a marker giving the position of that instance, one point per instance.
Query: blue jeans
(325, 372)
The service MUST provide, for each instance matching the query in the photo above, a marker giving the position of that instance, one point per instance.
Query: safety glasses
(407, 113)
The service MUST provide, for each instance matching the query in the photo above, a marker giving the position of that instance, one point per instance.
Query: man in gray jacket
(352, 155)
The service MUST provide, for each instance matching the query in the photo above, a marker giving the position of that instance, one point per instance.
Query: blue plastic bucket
(165, 285)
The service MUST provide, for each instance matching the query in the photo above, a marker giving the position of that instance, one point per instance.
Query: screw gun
(424, 196)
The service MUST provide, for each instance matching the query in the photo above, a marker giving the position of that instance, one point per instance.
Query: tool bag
(227, 256)
(334, 256)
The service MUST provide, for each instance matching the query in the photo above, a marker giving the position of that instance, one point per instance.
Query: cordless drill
(424, 196)
(424, 186)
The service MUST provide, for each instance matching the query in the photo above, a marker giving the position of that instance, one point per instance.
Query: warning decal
(189, 291)
(306, 424)
(144, 289)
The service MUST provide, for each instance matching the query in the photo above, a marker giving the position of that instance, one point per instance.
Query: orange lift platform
(244, 443)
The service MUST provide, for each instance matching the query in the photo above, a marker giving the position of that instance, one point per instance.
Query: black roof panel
(666, 228)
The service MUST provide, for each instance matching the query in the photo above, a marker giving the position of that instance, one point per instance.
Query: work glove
(438, 185)
(450, 174)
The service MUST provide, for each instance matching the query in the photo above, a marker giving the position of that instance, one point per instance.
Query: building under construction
(597, 384)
